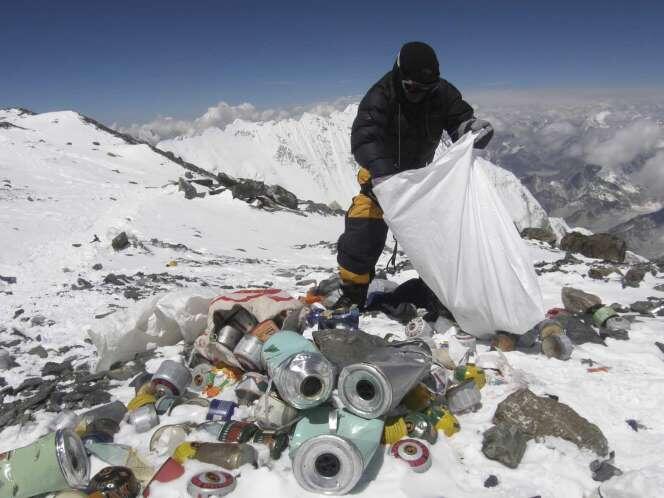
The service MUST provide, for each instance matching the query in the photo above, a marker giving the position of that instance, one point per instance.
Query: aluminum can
(171, 378)
(413, 453)
(144, 418)
(210, 484)
(220, 410)
(272, 413)
(418, 327)
(464, 398)
(303, 376)
(467, 340)
(54, 462)
(229, 336)
(201, 377)
(331, 448)
(248, 353)
(242, 319)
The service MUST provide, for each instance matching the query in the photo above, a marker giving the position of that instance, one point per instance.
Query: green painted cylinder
(54, 462)
(603, 314)
(283, 345)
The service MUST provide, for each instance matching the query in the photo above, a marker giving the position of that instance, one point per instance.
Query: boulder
(505, 443)
(282, 196)
(577, 301)
(579, 329)
(633, 277)
(600, 246)
(643, 307)
(542, 234)
(189, 190)
(542, 416)
(120, 241)
(601, 272)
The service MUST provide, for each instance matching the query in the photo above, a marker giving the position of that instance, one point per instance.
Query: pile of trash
(331, 402)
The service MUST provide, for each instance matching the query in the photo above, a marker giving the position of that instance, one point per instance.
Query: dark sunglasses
(411, 86)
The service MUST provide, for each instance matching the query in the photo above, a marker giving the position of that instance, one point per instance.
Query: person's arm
(461, 118)
(369, 133)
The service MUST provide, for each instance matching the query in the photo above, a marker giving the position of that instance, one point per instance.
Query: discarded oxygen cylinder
(418, 327)
(54, 462)
(374, 388)
(331, 448)
(229, 336)
(172, 378)
(557, 346)
(212, 484)
(144, 418)
(303, 376)
(248, 352)
(230, 456)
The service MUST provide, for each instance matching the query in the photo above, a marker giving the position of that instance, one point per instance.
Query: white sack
(163, 320)
(462, 241)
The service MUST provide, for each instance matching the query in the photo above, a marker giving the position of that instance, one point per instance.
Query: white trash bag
(451, 222)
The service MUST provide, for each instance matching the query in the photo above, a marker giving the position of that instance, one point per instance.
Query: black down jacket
(384, 116)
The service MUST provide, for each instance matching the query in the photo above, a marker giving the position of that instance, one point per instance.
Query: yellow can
(395, 429)
(418, 398)
(471, 371)
(445, 421)
(141, 400)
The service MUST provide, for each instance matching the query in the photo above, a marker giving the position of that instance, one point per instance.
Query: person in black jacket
(399, 124)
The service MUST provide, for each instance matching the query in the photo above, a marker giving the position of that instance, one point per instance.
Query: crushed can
(171, 378)
(211, 484)
(437, 381)
(464, 397)
(471, 371)
(264, 330)
(375, 387)
(229, 456)
(248, 353)
(330, 449)
(413, 453)
(115, 411)
(275, 442)
(302, 375)
(444, 420)
(116, 481)
(220, 410)
(272, 413)
(418, 327)
(58, 460)
(144, 418)
(251, 386)
(421, 427)
(557, 346)
(235, 431)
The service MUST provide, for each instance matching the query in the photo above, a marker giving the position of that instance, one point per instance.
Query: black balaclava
(417, 61)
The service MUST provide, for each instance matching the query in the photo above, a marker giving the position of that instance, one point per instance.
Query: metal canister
(213, 483)
(418, 327)
(115, 411)
(172, 378)
(557, 346)
(437, 381)
(422, 427)
(395, 429)
(237, 432)
(229, 336)
(251, 387)
(276, 442)
(376, 387)
(467, 340)
(464, 398)
(248, 353)
(471, 371)
(165, 403)
(444, 420)
(242, 319)
(144, 418)
(229, 456)
(602, 314)
(264, 330)
(201, 377)
(303, 376)
(58, 460)
(272, 413)
(220, 410)
(331, 448)
(116, 482)
(413, 453)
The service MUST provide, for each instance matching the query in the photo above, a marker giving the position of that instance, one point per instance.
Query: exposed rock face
(600, 246)
(249, 190)
(188, 189)
(601, 272)
(643, 233)
(542, 416)
(543, 234)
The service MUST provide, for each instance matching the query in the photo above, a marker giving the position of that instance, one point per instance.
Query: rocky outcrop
(600, 246)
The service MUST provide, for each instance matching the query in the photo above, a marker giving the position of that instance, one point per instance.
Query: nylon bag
(449, 219)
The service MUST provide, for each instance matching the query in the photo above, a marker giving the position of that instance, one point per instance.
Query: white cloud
(223, 114)
(639, 138)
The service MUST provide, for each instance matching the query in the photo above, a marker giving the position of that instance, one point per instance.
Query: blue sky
(129, 61)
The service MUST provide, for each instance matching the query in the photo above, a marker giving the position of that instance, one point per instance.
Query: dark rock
(95, 143)
(114, 279)
(226, 180)
(39, 351)
(633, 277)
(620, 308)
(600, 246)
(659, 287)
(41, 397)
(189, 190)
(82, 284)
(577, 301)
(215, 191)
(601, 272)
(603, 470)
(132, 293)
(491, 481)
(542, 234)
(203, 182)
(97, 266)
(38, 320)
(660, 346)
(120, 241)
(57, 369)
(9, 280)
(579, 329)
(643, 307)
(541, 416)
(505, 443)
(635, 425)
(76, 245)
(18, 313)
(29, 384)
(188, 174)
(618, 335)
(282, 196)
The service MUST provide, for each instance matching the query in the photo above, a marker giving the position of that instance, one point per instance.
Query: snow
(230, 243)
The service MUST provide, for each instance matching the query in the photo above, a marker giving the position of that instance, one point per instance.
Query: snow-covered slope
(311, 157)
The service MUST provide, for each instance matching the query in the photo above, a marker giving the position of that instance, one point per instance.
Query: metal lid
(73, 459)
(211, 483)
(328, 464)
(364, 390)
(305, 380)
